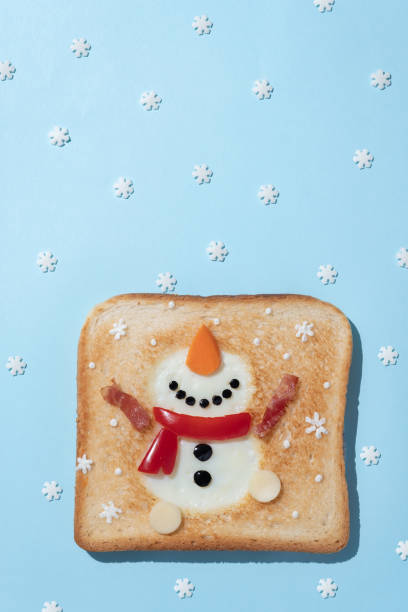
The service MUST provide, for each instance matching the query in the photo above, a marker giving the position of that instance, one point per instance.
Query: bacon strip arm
(276, 408)
(137, 415)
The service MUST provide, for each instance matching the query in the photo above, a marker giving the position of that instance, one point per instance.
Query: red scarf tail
(162, 453)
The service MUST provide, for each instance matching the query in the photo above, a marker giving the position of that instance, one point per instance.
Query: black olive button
(173, 385)
(190, 400)
(234, 383)
(202, 478)
(204, 403)
(180, 394)
(202, 452)
(227, 393)
(217, 399)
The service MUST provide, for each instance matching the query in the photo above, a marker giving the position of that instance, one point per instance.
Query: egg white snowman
(197, 391)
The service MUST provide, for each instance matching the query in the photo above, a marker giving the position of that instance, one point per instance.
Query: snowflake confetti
(327, 587)
(327, 274)
(51, 490)
(363, 158)
(268, 194)
(80, 47)
(262, 89)
(202, 174)
(166, 282)
(59, 136)
(304, 330)
(118, 330)
(150, 100)
(46, 261)
(217, 251)
(380, 79)
(402, 257)
(402, 549)
(51, 606)
(202, 25)
(123, 188)
(110, 512)
(316, 424)
(16, 365)
(370, 455)
(388, 355)
(184, 588)
(7, 70)
(84, 464)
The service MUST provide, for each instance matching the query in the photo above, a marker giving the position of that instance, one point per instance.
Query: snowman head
(203, 381)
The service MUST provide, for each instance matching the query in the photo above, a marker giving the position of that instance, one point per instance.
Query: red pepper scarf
(162, 452)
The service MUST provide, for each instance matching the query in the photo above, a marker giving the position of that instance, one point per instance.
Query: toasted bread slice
(262, 331)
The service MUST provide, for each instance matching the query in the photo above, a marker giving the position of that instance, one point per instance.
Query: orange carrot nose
(204, 355)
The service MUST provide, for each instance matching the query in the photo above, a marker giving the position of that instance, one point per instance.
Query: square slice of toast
(142, 345)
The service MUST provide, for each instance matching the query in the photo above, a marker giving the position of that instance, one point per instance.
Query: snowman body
(207, 474)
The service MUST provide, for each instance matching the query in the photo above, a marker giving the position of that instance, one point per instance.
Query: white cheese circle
(164, 517)
(264, 486)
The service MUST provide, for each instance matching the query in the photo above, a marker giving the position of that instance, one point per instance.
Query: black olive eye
(173, 385)
(202, 452)
(226, 393)
(234, 383)
(190, 400)
(180, 394)
(204, 403)
(217, 399)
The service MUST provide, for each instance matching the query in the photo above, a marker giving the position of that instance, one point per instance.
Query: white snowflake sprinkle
(402, 549)
(51, 490)
(113, 423)
(202, 174)
(295, 514)
(153, 342)
(286, 356)
(166, 282)
(91, 365)
(202, 25)
(268, 194)
(217, 251)
(110, 512)
(268, 311)
(286, 444)
(304, 330)
(84, 464)
(171, 304)
(184, 588)
(380, 79)
(262, 89)
(7, 70)
(370, 455)
(326, 385)
(51, 606)
(80, 47)
(216, 321)
(123, 187)
(46, 261)
(59, 136)
(363, 158)
(388, 355)
(402, 257)
(318, 478)
(118, 330)
(327, 587)
(327, 274)
(118, 472)
(16, 365)
(256, 341)
(150, 100)
(316, 425)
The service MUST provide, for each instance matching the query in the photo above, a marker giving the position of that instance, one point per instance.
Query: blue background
(302, 140)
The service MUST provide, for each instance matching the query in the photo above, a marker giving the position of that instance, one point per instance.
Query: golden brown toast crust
(323, 522)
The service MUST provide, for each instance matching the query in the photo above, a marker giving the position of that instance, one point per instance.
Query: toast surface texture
(322, 523)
